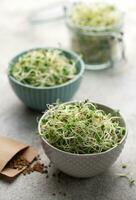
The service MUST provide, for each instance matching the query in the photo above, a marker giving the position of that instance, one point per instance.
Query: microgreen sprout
(81, 128)
(44, 68)
(130, 179)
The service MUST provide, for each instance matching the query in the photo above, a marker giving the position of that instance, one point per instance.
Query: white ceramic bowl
(84, 165)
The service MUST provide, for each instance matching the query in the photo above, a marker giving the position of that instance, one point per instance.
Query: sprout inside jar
(96, 33)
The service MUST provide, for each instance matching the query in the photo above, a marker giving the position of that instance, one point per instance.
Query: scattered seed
(20, 163)
(54, 175)
(124, 166)
(64, 194)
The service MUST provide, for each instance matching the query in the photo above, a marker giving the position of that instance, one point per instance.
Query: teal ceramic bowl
(38, 98)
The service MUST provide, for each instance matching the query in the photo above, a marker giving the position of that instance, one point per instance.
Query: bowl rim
(72, 53)
(83, 155)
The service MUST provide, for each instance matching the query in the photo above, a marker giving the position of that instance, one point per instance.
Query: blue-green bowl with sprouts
(44, 76)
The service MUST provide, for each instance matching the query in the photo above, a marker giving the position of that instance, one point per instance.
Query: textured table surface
(114, 87)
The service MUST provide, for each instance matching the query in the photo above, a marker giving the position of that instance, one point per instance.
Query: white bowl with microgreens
(42, 76)
(82, 139)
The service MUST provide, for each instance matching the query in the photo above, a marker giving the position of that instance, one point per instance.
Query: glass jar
(100, 47)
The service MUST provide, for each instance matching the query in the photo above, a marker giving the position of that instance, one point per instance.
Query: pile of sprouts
(94, 15)
(81, 128)
(44, 68)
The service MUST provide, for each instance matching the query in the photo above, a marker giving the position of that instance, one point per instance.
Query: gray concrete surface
(114, 87)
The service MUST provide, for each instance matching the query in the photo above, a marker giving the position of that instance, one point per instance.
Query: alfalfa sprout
(44, 68)
(81, 128)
